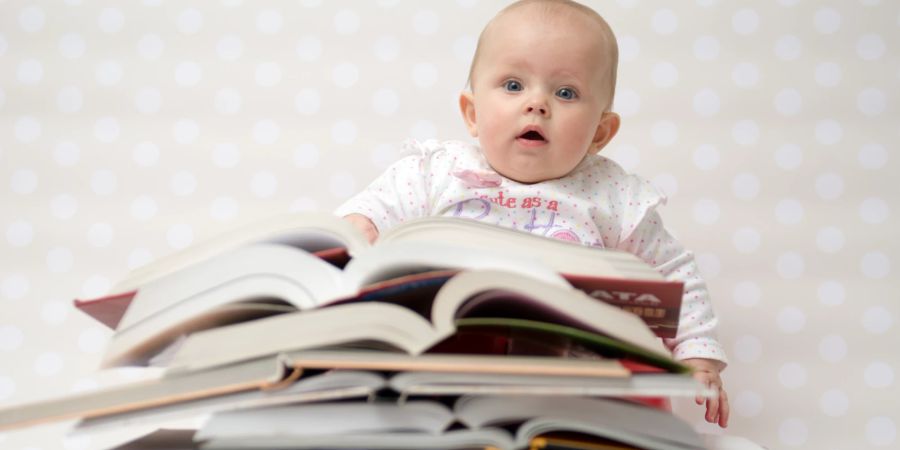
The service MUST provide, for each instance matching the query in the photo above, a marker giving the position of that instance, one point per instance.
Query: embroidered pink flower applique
(478, 179)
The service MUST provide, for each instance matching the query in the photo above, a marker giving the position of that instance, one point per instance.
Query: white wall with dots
(129, 130)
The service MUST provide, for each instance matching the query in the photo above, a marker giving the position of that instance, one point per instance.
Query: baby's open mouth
(532, 136)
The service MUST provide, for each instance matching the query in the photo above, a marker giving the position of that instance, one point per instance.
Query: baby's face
(539, 94)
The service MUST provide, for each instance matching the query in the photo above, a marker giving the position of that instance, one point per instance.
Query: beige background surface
(131, 129)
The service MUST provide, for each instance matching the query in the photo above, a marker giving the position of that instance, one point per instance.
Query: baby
(541, 91)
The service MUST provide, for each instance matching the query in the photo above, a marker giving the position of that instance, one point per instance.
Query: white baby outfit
(598, 204)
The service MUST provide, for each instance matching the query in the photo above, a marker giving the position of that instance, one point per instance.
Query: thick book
(615, 277)
(476, 300)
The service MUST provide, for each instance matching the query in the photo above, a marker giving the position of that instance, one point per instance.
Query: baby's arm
(707, 371)
(362, 223)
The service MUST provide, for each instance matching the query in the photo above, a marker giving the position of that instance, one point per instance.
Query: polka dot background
(130, 130)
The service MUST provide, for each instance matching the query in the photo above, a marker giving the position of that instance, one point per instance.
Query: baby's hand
(362, 223)
(707, 371)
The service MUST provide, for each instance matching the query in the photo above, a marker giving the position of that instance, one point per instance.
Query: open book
(615, 277)
(484, 299)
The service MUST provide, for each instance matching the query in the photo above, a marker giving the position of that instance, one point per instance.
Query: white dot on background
(746, 239)
(831, 293)
(464, 48)
(791, 319)
(627, 102)
(790, 265)
(792, 375)
(31, 19)
(745, 21)
(872, 156)
(748, 403)
(871, 101)
(383, 155)
(664, 74)
(100, 234)
(69, 100)
(667, 183)
(71, 45)
(104, 182)
(709, 264)
(19, 233)
(828, 74)
(345, 74)
(188, 74)
(344, 132)
(11, 338)
(226, 155)
(183, 183)
(426, 22)
(830, 239)
(54, 312)
(59, 260)
(747, 348)
(306, 156)
(829, 132)
(106, 129)
(827, 20)
(745, 75)
(664, 21)
(95, 286)
(150, 46)
(788, 102)
(307, 101)
(268, 74)
(745, 186)
(145, 154)
(185, 131)
(266, 132)
(23, 181)
(878, 375)
(629, 47)
(833, 348)
(424, 75)
(789, 211)
(64, 206)
(745, 132)
(143, 207)
(342, 184)
(111, 20)
(7, 387)
(706, 48)
(48, 364)
(664, 133)
(875, 265)
(15, 286)
(706, 157)
(223, 209)
(877, 320)
(387, 48)
(108, 73)
(179, 236)
(263, 184)
(92, 340)
(829, 186)
(870, 47)
(706, 102)
(746, 294)
(834, 403)
(788, 156)
(230, 47)
(190, 21)
(346, 21)
(309, 48)
(269, 21)
(228, 101)
(788, 48)
(793, 432)
(148, 100)
(881, 431)
(706, 212)
(28, 129)
(139, 257)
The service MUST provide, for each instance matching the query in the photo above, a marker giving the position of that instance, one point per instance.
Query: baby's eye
(566, 94)
(512, 86)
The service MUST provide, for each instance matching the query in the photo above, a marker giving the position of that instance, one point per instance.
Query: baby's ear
(467, 108)
(606, 130)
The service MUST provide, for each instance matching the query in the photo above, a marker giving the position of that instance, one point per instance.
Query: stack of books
(297, 333)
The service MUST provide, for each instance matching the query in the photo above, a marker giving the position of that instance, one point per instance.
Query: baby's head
(541, 87)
